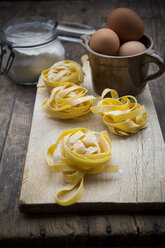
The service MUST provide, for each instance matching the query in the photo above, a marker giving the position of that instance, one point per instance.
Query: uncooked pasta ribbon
(123, 115)
(83, 152)
(68, 101)
(62, 72)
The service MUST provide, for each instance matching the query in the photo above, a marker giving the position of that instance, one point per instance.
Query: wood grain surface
(139, 185)
(16, 110)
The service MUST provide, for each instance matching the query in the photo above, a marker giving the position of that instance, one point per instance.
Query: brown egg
(126, 24)
(131, 48)
(105, 41)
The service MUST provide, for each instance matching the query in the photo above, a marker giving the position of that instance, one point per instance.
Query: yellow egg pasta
(68, 101)
(123, 115)
(62, 72)
(83, 152)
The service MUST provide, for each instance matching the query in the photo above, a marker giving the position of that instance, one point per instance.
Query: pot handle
(155, 57)
(73, 29)
(73, 32)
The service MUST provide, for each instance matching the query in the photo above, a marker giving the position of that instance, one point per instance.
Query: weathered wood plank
(81, 230)
(13, 158)
(141, 160)
(153, 16)
(104, 229)
(153, 226)
(157, 86)
(7, 99)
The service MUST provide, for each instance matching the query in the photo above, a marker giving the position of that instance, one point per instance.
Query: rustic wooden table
(16, 110)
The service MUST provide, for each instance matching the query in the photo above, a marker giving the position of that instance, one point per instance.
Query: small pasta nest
(123, 115)
(83, 152)
(68, 101)
(62, 72)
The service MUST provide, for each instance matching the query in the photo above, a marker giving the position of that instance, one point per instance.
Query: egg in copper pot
(126, 24)
(105, 41)
(131, 48)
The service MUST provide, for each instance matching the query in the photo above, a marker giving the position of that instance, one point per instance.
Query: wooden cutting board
(139, 185)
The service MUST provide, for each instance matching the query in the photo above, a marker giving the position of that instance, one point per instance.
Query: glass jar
(28, 46)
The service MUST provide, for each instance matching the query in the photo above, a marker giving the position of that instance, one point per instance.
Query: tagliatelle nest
(83, 152)
(62, 72)
(123, 115)
(68, 101)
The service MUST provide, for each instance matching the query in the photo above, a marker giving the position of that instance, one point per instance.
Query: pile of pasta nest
(84, 151)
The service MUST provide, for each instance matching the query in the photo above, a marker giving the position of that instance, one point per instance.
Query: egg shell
(131, 48)
(126, 24)
(105, 41)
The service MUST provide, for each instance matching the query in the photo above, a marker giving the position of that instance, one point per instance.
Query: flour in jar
(29, 62)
